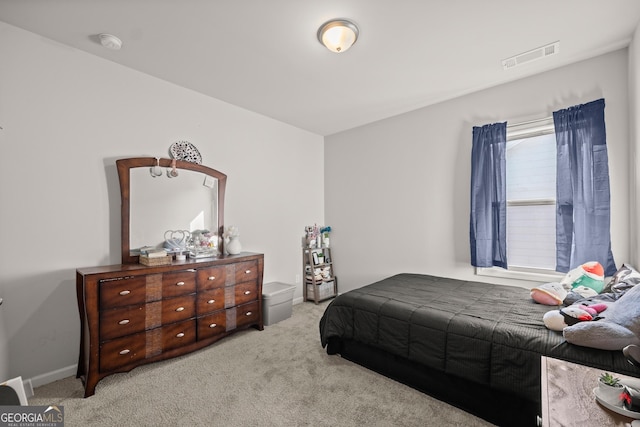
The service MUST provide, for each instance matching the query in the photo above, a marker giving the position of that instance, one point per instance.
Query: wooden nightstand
(567, 396)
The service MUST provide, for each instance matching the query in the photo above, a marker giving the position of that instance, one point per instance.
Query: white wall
(634, 146)
(397, 191)
(66, 116)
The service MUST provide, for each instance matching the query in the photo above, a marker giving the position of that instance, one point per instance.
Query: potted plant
(610, 388)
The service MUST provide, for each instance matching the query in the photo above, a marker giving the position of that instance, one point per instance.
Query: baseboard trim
(68, 371)
(48, 377)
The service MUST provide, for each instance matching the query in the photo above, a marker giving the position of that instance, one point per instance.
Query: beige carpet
(277, 377)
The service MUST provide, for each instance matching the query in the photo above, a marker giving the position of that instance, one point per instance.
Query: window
(531, 201)
(582, 190)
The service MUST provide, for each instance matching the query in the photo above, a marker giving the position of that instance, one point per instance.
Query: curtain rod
(530, 122)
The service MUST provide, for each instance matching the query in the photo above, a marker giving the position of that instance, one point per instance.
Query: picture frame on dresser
(133, 314)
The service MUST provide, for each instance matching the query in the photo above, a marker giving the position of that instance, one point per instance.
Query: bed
(474, 345)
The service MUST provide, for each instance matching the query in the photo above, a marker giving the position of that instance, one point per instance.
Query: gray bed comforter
(486, 333)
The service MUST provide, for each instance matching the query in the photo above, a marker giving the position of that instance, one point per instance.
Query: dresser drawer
(178, 283)
(245, 292)
(178, 334)
(122, 351)
(212, 277)
(210, 300)
(178, 308)
(246, 271)
(247, 314)
(212, 324)
(122, 291)
(122, 321)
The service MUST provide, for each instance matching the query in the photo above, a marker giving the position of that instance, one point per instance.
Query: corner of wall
(634, 146)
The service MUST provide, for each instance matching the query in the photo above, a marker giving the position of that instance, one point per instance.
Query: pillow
(618, 326)
(624, 279)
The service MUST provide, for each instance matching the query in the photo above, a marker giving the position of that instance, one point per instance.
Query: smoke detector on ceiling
(110, 41)
(532, 55)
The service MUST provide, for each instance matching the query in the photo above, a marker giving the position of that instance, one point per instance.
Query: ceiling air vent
(532, 55)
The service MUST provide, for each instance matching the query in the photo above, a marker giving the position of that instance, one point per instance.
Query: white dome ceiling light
(110, 41)
(338, 35)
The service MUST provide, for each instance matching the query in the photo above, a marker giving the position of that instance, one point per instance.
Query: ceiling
(263, 55)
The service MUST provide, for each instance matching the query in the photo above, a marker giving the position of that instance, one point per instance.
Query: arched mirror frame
(124, 174)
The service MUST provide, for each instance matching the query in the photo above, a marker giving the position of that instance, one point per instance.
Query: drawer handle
(247, 271)
(247, 292)
(212, 278)
(180, 335)
(123, 322)
(126, 351)
(123, 293)
(180, 309)
(248, 313)
(180, 284)
(213, 325)
(211, 301)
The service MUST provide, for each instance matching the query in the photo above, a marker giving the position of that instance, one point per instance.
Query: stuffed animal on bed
(557, 320)
(617, 327)
(578, 293)
(590, 275)
(549, 294)
(582, 282)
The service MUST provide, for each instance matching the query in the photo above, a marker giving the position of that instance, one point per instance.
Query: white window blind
(531, 193)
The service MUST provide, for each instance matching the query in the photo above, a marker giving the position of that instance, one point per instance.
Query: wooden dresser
(133, 314)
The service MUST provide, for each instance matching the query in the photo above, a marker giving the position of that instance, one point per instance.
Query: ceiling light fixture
(338, 35)
(110, 41)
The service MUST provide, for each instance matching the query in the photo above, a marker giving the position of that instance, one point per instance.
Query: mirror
(152, 205)
(158, 204)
